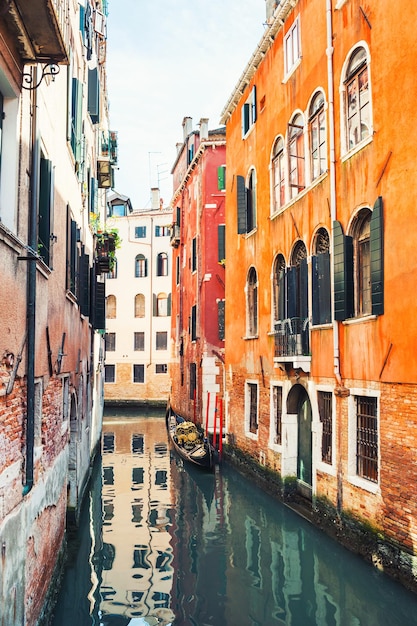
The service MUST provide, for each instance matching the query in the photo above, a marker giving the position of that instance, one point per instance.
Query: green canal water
(161, 543)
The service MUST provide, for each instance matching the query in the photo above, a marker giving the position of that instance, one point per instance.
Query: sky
(168, 60)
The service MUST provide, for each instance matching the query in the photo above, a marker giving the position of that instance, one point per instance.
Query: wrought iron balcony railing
(292, 337)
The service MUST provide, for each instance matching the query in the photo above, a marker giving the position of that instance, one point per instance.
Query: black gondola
(189, 441)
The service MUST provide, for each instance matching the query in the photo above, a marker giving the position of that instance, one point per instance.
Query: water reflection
(161, 543)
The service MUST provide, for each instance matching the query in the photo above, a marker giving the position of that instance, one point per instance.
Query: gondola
(189, 442)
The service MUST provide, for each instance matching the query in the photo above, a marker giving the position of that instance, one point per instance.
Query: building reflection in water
(137, 573)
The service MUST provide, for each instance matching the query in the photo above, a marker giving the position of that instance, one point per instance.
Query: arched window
(161, 305)
(139, 305)
(141, 266)
(321, 287)
(317, 127)
(361, 233)
(357, 99)
(111, 307)
(278, 289)
(162, 264)
(278, 175)
(252, 303)
(296, 164)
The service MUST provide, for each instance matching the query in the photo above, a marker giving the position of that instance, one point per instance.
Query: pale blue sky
(167, 60)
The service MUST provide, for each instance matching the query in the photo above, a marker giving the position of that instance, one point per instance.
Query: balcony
(39, 28)
(106, 244)
(292, 343)
(175, 236)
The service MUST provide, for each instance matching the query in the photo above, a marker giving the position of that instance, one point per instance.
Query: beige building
(138, 311)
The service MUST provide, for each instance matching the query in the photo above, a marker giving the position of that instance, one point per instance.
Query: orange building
(320, 263)
(197, 365)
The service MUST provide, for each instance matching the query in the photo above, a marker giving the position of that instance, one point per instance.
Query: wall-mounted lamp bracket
(49, 69)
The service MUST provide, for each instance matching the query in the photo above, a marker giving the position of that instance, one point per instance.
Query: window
(161, 368)
(292, 48)
(252, 303)
(76, 121)
(251, 411)
(111, 307)
(321, 294)
(138, 443)
(249, 112)
(161, 305)
(278, 289)
(162, 231)
(367, 438)
(140, 232)
(108, 443)
(246, 203)
(162, 264)
(65, 398)
(138, 373)
(139, 305)
(221, 318)
(177, 270)
(141, 266)
(9, 108)
(193, 323)
(359, 265)
(325, 411)
(110, 342)
(139, 341)
(357, 99)
(221, 243)
(161, 340)
(193, 380)
(278, 174)
(317, 128)
(296, 163)
(109, 373)
(277, 414)
(46, 208)
(194, 255)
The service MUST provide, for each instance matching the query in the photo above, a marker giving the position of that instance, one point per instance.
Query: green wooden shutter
(321, 288)
(245, 118)
(241, 205)
(94, 95)
(169, 304)
(99, 318)
(44, 223)
(85, 284)
(221, 243)
(254, 105)
(292, 292)
(221, 178)
(221, 318)
(303, 286)
(343, 273)
(377, 258)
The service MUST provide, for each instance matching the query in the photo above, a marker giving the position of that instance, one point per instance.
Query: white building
(138, 311)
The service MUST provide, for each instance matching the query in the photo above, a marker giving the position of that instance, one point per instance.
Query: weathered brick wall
(156, 386)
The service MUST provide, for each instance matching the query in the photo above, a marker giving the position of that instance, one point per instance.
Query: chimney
(270, 8)
(187, 125)
(203, 128)
(155, 198)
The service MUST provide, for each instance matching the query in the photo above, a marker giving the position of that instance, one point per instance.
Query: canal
(160, 543)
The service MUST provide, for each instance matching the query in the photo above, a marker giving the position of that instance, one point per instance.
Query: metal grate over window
(367, 438)
(325, 410)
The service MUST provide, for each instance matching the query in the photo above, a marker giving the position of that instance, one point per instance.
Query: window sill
(340, 4)
(252, 436)
(250, 337)
(359, 320)
(250, 233)
(325, 468)
(291, 71)
(359, 146)
(326, 326)
(364, 484)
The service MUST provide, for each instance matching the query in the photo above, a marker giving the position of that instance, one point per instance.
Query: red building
(198, 284)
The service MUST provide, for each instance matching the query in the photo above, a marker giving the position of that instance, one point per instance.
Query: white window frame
(248, 433)
(353, 478)
(326, 468)
(277, 447)
(292, 49)
(249, 105)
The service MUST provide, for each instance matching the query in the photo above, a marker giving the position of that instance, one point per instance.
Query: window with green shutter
(377, 258)
(343, 273)
(45, 216)
(221, 178)
(221, 243)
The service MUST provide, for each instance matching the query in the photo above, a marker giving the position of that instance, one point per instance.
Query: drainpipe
(31, 296)
(330, 88)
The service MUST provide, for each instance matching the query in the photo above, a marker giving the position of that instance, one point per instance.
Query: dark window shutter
(169, 304)
(282, 295)
(321, 288)
(94, 95)
(178, 216)
(99, 321)
(241, 204)
(44, 224)
(292, 292)
(245, 118)
(377, 258)
(73, 257)
(343, 273)
(254, 105)
(303, 295)
(155, 305)
(85, 285)
(221, 243)
(221, 178)
(220, 318)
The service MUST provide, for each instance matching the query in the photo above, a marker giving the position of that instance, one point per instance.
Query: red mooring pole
(215, 424)
(221, 428)
(195, 392)
(207, 413)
